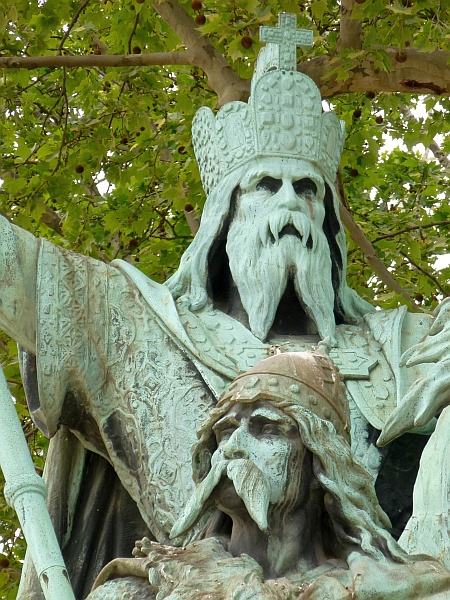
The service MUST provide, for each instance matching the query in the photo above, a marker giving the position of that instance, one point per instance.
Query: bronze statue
(288, 506)
(120, 371)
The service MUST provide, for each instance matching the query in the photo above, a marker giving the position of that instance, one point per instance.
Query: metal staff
(25, 491)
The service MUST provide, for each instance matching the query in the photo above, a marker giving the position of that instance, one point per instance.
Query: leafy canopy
(99, 159)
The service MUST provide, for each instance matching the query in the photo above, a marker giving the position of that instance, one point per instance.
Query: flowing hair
(190, 282)
(350, 500)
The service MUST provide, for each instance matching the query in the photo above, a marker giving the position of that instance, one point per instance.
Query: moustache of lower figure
(251, 486)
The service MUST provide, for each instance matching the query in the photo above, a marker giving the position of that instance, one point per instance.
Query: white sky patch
(419, 111)
(390, 144)
(442, 262)
(102, 184)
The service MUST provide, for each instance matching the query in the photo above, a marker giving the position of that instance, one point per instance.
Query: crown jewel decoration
(283, 116)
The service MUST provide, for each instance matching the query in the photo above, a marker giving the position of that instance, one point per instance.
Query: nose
(235, 447)
(287, 197)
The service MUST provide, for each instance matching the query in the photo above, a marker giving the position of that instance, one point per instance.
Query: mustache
(261, 273)
(286, 222)
(253, 488)
(250, 484)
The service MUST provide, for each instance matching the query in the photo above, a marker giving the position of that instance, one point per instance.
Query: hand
(431, 393)
(201, 569)
(425, 399)
(166, 565)
(437, 343)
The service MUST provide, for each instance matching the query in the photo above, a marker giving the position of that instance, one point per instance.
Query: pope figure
(120, 371)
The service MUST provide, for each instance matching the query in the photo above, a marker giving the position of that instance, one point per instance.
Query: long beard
(264, 254)
(251, 486)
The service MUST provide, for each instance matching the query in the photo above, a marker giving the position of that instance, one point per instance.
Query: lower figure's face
(258, 464)
(264, 436)
(277, 234)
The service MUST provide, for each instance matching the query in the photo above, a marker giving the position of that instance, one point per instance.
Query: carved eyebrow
(271, 416)
(258, 413)
(253, 179)
(226, 420)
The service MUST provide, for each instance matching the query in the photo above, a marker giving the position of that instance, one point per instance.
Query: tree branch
(100, 60)
(52, 219)
(425, 272)
(72, 24)
(350, 30)
(221, 77)
(393, 234)
(130, 39)
(192, 218)
(421, 73)
(358, 236)
(439, 155)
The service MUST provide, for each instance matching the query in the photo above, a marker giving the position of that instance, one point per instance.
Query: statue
(120, 371)
(293, 514)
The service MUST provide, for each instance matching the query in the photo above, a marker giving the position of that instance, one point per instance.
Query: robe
(120, 377)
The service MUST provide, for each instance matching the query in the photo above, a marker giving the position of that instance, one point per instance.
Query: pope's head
(270, 227)
(276, 239)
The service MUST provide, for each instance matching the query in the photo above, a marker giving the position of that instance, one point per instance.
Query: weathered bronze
(291, 510)
(121, 371)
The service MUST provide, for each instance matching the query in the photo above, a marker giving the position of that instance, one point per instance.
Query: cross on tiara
(287, 37)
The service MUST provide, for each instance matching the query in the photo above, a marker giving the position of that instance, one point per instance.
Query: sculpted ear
(201, 463)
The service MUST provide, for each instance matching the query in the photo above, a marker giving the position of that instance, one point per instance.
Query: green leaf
(14, 185)
(318, 9)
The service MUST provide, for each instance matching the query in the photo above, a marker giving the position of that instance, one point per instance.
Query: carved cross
(287, 37)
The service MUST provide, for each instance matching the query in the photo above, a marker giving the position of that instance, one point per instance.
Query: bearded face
(257, 467)
(277, 235)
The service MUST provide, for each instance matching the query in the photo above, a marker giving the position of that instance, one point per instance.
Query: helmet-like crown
(283, 116)
(307, 379)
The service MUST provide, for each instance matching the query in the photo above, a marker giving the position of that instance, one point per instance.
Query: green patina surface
(132, 368)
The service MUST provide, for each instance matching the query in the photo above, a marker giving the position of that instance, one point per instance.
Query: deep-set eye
(270, 429)
(224, 434)
(304, 187)
(269, 184)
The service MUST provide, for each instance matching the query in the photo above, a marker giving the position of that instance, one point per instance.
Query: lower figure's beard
(250, 484)
(261, 267)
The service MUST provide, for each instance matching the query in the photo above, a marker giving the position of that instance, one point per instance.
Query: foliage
(100, 161)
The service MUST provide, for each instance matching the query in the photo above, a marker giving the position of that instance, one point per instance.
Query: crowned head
(271, 221)
(282, 119)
